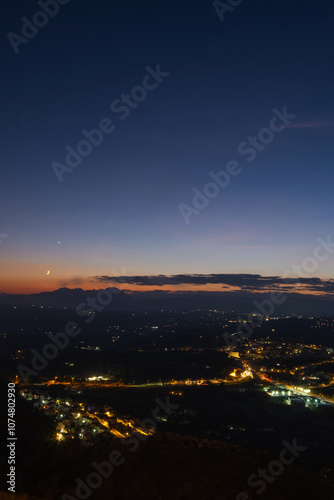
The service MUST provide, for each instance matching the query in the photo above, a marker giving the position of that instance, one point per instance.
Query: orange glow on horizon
(18, 286)
(23, 278)
(47, 284)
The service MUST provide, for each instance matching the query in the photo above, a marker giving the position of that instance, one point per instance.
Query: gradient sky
(118, 211)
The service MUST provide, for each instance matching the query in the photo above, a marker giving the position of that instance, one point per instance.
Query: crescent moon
(48, 273)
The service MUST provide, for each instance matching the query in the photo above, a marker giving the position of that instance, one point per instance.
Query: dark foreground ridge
(172, 467)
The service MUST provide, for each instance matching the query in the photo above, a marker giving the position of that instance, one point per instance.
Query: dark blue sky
(118, 211)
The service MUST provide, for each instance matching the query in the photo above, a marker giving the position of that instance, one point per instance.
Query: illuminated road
(293, 388)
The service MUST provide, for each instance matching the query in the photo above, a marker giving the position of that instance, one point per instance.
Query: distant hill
(62, 297)
(307, 305)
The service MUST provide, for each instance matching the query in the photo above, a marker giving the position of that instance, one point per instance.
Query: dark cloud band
(250, 282)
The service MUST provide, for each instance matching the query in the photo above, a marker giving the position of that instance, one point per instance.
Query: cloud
(246, 282)
(75, 281)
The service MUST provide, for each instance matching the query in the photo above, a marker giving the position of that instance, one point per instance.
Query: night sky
(118, 211)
